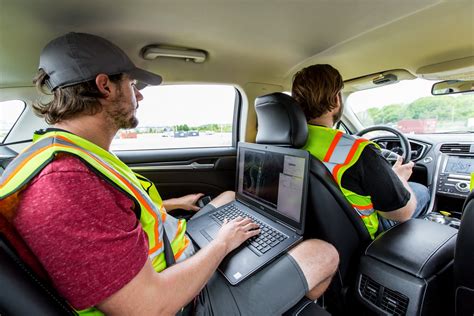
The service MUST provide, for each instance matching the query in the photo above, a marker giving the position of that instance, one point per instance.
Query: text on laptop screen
(274, 179)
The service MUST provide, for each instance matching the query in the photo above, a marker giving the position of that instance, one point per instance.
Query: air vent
(394, 302)
(385, 299)
(369, 289)
(455, 148)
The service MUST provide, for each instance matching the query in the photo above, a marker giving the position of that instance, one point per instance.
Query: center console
(408, 270)
(454, 175)
(443, 219)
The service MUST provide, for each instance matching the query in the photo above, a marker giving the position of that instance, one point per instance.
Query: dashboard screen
(459, 165)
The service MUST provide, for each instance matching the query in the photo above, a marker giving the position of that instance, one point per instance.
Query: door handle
(192, 166)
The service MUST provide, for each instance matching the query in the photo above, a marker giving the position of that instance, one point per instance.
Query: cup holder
(444, 220)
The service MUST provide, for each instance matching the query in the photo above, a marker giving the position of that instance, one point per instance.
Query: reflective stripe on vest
(152, 214)
(339, 152)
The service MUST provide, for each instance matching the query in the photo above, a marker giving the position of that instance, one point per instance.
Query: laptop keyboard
(260, 244)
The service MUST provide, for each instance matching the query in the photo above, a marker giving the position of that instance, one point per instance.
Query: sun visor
(460, 69)
(377, 80)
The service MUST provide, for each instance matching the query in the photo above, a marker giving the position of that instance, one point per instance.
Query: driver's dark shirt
(373, 175)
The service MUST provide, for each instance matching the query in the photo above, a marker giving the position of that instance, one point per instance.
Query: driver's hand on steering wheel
(403, 171)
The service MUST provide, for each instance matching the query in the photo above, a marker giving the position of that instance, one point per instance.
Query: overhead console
(455, 168)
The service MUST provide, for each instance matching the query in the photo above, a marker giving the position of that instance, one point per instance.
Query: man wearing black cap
(102, 232)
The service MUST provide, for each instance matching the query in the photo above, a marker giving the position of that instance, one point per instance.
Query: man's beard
(121, 116)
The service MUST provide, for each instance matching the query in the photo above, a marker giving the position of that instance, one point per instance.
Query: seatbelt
(169, 255)
(169, 258)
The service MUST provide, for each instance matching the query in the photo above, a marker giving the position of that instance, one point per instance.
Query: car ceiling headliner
(247, 41)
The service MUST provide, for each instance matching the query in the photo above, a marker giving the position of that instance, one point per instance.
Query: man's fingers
(238, 219)
(195, 208)
(250, 226)
(252, 233)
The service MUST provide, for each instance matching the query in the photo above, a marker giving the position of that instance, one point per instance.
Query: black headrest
(280, 121)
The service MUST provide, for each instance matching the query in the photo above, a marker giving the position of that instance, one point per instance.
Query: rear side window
(10, 111)
(181, 116)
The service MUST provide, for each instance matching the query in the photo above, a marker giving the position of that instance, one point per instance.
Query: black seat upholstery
(464, 261)
(22, 292)
(330, 217)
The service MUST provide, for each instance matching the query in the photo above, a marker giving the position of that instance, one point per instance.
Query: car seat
(464, 261)
(329, 217)
(25, 290)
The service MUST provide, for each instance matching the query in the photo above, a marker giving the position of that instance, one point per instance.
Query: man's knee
(317, 259)
(422, 195)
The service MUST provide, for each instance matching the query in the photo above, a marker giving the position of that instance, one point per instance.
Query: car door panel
(184, 171)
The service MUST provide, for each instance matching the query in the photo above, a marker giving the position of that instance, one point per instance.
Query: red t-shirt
(83, 231)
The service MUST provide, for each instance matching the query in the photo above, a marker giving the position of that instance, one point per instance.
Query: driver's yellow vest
(148, 203)
(339, 152)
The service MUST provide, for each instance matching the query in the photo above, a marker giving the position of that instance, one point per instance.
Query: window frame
(237, 114)
(16, 121)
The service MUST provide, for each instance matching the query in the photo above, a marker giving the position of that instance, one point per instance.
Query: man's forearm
(170, 204)
(404, 213)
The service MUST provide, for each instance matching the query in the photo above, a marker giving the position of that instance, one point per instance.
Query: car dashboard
(443, 162)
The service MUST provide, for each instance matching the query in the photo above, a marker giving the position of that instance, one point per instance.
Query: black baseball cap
(79, 57)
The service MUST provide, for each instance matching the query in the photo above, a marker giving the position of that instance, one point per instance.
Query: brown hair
(69, 102)
(316, 88)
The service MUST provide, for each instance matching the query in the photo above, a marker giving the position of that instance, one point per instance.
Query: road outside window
(10, 111)
(181, 116)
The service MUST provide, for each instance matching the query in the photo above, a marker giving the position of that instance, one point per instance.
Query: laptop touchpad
(210, 231)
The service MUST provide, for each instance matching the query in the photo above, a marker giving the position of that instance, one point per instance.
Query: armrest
(418, 247)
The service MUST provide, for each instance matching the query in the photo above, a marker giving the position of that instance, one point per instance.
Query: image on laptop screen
(274, 179)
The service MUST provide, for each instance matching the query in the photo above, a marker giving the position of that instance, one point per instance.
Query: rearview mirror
(452, 86)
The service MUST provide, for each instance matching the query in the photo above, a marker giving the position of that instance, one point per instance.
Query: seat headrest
(281, 121)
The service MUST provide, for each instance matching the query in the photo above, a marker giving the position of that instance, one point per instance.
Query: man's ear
(103, 83)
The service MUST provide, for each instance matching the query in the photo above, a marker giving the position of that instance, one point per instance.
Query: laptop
(271, 188)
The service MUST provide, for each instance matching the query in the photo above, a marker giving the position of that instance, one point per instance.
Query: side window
(10, 111)
(181, 116)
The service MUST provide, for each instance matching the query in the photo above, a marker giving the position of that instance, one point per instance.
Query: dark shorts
(271, 291)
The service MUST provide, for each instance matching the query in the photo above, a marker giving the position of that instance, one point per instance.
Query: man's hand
(233, 233)
(187, 202)
(403, 171)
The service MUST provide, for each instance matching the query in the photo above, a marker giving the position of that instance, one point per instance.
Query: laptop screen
(275, 178)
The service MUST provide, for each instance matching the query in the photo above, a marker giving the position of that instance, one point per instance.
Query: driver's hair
(71, 101)
(315, 88)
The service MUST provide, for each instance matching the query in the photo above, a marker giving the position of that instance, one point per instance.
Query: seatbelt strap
(169, 256)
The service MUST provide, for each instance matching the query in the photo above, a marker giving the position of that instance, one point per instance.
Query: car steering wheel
(388, 154)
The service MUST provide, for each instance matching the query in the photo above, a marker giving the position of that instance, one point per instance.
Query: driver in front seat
(366, 179)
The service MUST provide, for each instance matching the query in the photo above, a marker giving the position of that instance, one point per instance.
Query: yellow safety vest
(339, 152)
(152, 215)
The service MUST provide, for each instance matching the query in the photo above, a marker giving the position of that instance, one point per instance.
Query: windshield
(409, 106)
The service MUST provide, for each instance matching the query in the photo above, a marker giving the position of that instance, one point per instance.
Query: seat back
(464, 261)
(330, 217)
(23, 292)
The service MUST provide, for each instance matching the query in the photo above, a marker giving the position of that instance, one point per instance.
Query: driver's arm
(373, 176)
(403, 172)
